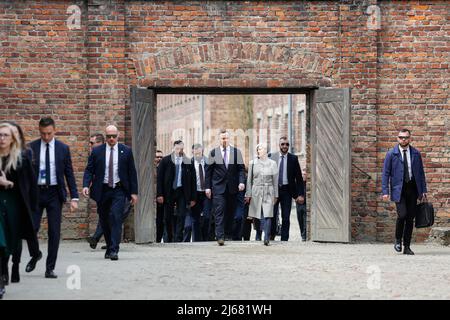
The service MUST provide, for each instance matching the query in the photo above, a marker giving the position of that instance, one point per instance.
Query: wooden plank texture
(331, 165)
(143, 118)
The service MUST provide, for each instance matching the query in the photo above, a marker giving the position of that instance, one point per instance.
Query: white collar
(401, 149)
(115, 148)
(51, 143)
(283, 154)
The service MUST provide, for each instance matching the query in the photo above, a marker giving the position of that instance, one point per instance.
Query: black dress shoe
(114, 256)
(5, 279)
(398, 245)
(221, 242)
(266, 242)
(50, 275)
(408, 251)
(107, 255)
(15, 276)
(92, 242)
(104, 247)
(32, 264)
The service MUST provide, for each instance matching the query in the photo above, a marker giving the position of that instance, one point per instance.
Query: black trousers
(159, 222)
(33, 249)
(406, 212)
(246, 225)
(175, 220)
(224, 209)
(49, 200)
(285, 201)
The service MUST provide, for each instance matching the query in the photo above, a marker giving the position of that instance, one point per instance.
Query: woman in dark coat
(18, 198)
(32, 241)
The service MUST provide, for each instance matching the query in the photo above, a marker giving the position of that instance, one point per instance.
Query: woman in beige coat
(262, 189)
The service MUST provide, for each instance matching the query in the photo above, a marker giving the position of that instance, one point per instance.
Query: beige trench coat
(262, 187)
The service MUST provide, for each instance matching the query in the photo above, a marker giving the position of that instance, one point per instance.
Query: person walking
(52, 164)
(224, 179)
(403, 178)
(262, 190)
(290, 186)
(18, 201)
(110, 179)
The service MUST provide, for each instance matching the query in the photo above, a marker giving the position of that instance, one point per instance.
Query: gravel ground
(241, 270)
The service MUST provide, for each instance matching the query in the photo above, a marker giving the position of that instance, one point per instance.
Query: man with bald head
(111, 173)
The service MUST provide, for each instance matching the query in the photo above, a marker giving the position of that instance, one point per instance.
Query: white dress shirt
(53, 180)
(197, 171)
(408, 156)
(115, 163)
(285, 178)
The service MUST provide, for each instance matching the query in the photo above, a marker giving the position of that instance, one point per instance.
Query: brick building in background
(76, 60)
(251, 119)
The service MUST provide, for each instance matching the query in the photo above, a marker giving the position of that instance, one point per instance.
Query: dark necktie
(406, 176)
(280, 173)
(202, 177)
(111, 169)
(225, 160)
(47, 164)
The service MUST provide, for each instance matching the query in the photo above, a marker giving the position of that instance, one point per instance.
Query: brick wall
(81, 76)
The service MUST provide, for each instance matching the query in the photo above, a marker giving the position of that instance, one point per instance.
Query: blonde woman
(262, 189)
(18, 199)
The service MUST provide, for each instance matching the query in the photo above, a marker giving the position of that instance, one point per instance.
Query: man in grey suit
(224, 179)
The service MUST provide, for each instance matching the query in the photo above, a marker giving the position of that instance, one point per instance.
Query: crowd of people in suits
(33, 179)
(213, 198)
(218, 198)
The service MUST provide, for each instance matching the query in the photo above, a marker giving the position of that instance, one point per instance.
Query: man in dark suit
(176, 186)
(301, 211)
(290, 186)
(404, 179)
(111, 176)
(224, 179)
(97, 139)
(199, 217)
(159, 207)
(52, 162)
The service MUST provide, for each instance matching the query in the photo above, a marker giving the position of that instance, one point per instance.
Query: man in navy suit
(52, 162)
(224, 179)
(404, 179)
(290, 186)
(111, 174)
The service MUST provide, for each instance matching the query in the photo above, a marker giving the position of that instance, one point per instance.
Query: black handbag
(425, 215)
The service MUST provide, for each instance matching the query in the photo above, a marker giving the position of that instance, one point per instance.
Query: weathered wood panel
(143, 117)
(331, 165)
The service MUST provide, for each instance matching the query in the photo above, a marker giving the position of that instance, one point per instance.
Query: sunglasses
(403, 138)
(159, 157)
(285, 144)
(111, 136)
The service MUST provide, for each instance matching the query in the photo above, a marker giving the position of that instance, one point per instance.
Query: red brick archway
(233, 65)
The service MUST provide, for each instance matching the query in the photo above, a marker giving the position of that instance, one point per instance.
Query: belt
(44, 186)
(117, 185)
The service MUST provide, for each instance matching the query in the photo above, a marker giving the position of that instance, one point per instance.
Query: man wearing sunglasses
(403, 173)
(111, 176)
(290, 186)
